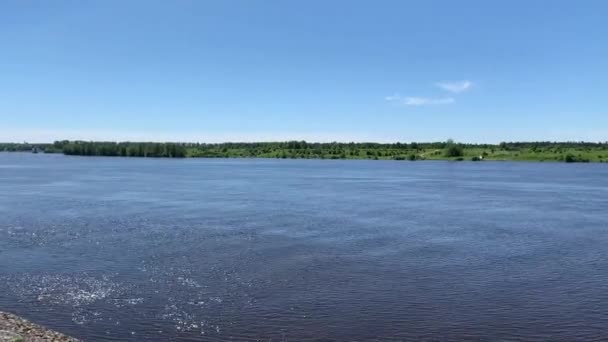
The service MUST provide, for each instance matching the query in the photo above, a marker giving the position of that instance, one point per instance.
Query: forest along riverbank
(14, 328)
(570, 152)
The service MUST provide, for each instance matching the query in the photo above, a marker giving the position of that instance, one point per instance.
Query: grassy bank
(449, 150)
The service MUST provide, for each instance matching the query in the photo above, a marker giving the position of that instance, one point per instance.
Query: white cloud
(455, 87)
(418, 101)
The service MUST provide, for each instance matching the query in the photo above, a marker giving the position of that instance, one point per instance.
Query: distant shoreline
(570, 152)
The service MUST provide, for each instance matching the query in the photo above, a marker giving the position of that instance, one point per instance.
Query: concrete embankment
(16, 329)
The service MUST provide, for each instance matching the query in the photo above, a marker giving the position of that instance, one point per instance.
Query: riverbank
(570, 152)
(16, 329)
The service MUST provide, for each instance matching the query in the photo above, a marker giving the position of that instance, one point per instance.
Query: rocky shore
(17, 329)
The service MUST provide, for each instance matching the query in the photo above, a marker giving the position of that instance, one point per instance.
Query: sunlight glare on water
(156, 249)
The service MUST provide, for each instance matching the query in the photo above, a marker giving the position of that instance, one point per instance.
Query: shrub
(454, 151)
(570, 158)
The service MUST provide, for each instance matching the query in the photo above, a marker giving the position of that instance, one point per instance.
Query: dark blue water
(302, 250)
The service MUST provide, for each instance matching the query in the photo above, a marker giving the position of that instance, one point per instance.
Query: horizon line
(118, 141)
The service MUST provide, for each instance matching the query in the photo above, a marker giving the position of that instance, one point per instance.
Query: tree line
(23, 147)
(121, 149)
(449, 150)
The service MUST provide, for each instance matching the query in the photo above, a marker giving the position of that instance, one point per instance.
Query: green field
(449, 150)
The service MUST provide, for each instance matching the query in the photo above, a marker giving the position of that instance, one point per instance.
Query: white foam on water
(188, 282)
(78, 291)
(119, 303)
(82, 316)
(216, 299)
(75, 290)
(186, 320)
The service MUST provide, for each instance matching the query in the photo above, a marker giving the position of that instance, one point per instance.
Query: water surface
(303, 250)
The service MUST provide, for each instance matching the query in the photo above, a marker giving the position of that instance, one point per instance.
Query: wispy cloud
(418, 101)
(455, 86)
(450, 86)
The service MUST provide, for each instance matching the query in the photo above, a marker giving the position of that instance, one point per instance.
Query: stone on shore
(17, 329)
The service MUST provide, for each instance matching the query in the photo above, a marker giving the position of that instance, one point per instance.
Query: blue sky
(475, 71)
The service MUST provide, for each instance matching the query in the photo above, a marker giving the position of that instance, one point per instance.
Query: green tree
(453, 150)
